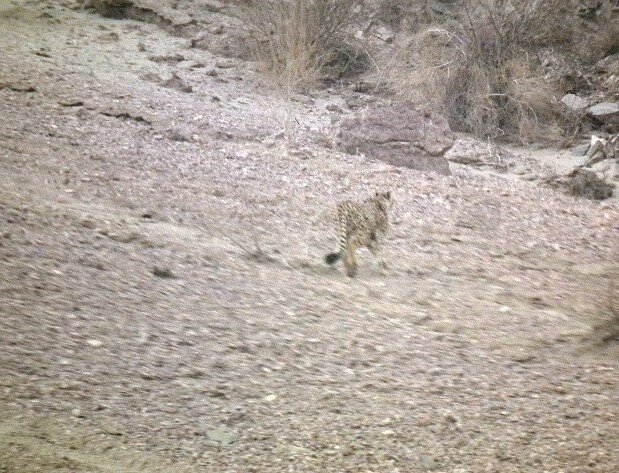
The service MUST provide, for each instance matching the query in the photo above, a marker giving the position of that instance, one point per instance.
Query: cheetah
(361, 224)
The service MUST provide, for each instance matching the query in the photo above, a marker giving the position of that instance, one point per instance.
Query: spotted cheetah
(361, 224)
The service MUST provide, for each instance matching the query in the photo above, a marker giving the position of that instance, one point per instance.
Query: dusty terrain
(163, 299)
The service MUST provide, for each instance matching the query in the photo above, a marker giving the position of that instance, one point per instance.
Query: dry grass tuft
(301, 42)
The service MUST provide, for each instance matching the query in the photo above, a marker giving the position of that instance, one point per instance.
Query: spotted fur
(360, 224)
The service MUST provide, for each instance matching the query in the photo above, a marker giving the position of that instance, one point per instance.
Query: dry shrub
(420, 68)
(483, 73)
(582, 183)
(404, 14)
(588, 185)
(301, 42)
(391, 12)
(606, 41)
(497, 88)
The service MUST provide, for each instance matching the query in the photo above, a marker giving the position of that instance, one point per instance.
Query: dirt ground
(164, 305)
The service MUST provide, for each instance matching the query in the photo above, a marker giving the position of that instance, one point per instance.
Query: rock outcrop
(401, 134)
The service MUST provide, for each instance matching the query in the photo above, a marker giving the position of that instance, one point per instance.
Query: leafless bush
(420, 68)
(391, 12)
(606, 41)
(587, 184)
(301, 42)
(496, 87)
(483, 73)
(404, 14)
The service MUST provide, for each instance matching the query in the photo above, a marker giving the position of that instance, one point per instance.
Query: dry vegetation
(300, 42)
(164, 304)
(485, 73)
(482, 65)
(482, 71)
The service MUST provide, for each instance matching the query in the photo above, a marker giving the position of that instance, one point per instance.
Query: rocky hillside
(166, 204)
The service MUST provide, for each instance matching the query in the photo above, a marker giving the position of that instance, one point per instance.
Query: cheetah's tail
(332, 258)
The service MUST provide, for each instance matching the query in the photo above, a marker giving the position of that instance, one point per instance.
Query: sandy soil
(164, 305)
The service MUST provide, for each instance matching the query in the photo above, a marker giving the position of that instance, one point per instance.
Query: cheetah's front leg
(377, 250)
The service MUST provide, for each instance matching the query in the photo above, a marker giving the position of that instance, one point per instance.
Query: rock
(574, 102)
(111, 8)
(169, 58)
(95, 343)
(606, 112)
(401, 134)
(334, 108)
(177, 134)
(87, 223)
(224, 437)
(477, 153)
(110, 3)
(580, 150)
(164, 273)
(384, 34)
(176, 83)
(600, 149)
(442, 7)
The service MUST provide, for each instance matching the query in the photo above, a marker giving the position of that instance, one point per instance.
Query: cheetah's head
(384, 199)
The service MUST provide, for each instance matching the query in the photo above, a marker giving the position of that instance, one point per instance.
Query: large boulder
(606, 112)
(574, 102)
(477, 153)
(401, 134)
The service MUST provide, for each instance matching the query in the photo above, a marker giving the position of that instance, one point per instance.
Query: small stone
(176, 134)
(504, 309)
(95, 343)
(112, 429)
(270, 398)
(224, 64)
(163, 272)
(222, 436)
(177, 83)
(334, 108)
(87, 223)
